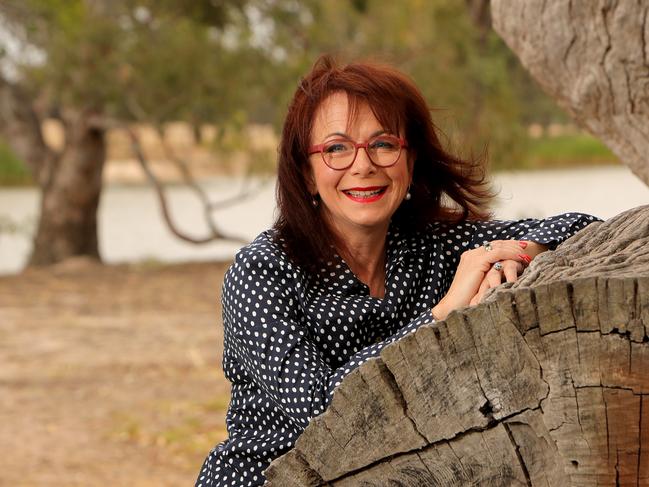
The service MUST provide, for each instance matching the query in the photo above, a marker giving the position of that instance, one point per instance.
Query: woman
(380, 230)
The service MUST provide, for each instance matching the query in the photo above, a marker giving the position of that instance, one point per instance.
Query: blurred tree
(95, 62)
(101, 61)
(480, 93)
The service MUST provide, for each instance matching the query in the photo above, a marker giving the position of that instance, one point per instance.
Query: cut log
(591, 56)
(544, 384)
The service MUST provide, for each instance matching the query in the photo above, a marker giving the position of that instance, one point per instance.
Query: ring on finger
(487, 246)
(498, 266)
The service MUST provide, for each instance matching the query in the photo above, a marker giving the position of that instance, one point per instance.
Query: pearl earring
(408, 196)
(314, 201)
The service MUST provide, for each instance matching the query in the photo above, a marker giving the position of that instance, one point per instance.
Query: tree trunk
(70, 198)
(70, 182)
(545, 384)
(592, 57)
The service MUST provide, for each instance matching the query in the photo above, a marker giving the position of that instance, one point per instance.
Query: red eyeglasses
(383, 150)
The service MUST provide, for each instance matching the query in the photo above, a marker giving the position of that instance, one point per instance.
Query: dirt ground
(110, 376)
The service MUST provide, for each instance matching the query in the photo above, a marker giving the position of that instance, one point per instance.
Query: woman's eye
(336, 147)
(383, 143)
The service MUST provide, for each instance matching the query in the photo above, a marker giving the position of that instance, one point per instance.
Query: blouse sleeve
(268, 338)
(550, 231)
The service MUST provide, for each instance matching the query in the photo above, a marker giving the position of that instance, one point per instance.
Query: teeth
(364, 194)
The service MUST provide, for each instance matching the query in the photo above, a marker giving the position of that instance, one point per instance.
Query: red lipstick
(368, 194)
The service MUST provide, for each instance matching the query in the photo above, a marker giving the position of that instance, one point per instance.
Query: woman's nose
(363, 164)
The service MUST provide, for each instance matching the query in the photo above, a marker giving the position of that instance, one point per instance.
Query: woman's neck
(364, 253)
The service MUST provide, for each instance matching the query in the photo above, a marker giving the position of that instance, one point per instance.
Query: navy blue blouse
(290, 337)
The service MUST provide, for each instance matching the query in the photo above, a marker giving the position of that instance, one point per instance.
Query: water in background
(131, 227)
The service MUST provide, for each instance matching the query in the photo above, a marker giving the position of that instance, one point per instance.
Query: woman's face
(348, 197)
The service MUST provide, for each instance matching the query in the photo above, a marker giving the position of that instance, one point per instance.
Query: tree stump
(544, 384)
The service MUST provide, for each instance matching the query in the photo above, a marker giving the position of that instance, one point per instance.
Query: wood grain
(544, 384)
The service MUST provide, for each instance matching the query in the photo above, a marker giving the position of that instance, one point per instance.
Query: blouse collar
(400, 246)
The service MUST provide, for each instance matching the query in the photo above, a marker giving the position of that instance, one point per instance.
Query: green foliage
(219, 62)
(147, 61)
(565, 151)
(12, 170)
(479, 93)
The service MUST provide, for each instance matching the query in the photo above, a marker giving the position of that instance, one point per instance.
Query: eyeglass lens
(383, 150)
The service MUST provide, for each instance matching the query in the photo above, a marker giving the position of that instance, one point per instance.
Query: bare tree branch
(245, 191)
(20, 127)
(215, 234)
(187, 178)
(136, 146)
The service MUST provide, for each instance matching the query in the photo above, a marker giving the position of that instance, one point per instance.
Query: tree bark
(545, 384)
(592, 57)
(70, 182)
(70, 198)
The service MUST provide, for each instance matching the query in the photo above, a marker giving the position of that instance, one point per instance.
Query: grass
(12, 170)
(566, 151)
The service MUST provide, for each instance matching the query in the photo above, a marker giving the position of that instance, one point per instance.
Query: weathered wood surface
(617, 248)
(592, 57)
(545, 384)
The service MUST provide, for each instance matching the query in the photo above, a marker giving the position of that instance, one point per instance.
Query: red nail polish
(522, 243)
(526, 258)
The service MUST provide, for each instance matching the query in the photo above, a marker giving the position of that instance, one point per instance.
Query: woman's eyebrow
(342, 134)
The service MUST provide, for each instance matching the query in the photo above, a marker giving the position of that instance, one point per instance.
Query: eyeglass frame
(319, 148)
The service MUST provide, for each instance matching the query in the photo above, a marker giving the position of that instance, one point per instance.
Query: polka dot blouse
(290, 338)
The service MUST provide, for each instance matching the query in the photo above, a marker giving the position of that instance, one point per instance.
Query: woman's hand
(511, 269)
(472, 270)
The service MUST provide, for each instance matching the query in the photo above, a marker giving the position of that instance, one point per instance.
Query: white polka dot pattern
(291, 337)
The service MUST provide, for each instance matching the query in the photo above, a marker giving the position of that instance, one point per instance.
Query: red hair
(399, 106)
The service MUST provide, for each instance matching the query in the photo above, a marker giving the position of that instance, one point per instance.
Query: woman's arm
(475, 268)
(549, 232)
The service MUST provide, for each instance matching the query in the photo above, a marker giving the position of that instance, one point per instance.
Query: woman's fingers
(471, 278)
(504, 250)
(477, 299)
(494, 244)
(512, 270)
(494, 276)
(484, 285)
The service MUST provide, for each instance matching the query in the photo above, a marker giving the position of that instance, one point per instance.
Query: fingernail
(522, 243)
(525, 257)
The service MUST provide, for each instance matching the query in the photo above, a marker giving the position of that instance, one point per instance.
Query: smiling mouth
(362, 194)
